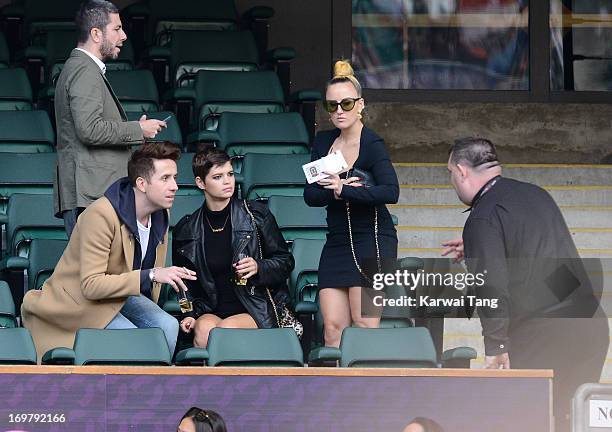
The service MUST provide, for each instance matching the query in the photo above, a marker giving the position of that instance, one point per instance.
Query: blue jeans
(141, 312)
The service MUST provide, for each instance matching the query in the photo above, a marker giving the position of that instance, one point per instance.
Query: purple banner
(155, 403)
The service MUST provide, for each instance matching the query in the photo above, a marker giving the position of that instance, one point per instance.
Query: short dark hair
(474, 151)
(141, 162)
(205, 420)
(205, 159)
(428, 424)
(93, 14)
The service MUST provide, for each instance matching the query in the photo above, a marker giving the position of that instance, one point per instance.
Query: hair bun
(343, 68)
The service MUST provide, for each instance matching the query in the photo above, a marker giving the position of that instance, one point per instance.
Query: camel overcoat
(91, 281)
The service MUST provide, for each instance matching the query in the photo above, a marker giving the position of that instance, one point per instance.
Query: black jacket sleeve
(314, 194)
(485, 253)
(386, 190)
(278, 262)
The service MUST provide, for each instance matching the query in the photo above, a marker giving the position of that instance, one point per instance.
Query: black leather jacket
(273, 270)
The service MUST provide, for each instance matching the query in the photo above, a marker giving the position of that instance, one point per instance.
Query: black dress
(337, 268)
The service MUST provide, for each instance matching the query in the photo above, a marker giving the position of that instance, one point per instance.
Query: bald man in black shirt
(517, 236)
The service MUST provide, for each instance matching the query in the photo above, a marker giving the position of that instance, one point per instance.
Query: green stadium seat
(408, 347)
(185, 179)
(172, 133)
(254, 347)
(135, 89)
(184, 205)
(7, 307)
(26, 132)
(217, 92)
(15, 90)
(191, 51)
(264, 175)
(26, 174)
(133, 347)
(303, 280)
(43, 256)
(29, 217)
(297, 220)
(17, 347)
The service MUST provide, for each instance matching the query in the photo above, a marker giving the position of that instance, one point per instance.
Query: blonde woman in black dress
(372, 236)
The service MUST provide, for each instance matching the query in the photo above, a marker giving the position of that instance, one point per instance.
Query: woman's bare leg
(372, 318)
(203, 326)
(336, 313)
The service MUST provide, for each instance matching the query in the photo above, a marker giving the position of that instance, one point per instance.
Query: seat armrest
(259, 13)
(172, 307)
(59, 356)
(281, 54)
(191, 357)
(458, 357)
(206, 136)
(14, 263)
(306, 308)
(157, 52)
(306, 95)
(324, 354)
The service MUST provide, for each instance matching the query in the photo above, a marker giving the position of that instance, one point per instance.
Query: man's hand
(174, 276)
(455, 247)
(150, 127)
(501, 361)
(187, 324)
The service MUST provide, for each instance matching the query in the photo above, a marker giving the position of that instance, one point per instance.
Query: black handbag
(365, 177)
(285, 318)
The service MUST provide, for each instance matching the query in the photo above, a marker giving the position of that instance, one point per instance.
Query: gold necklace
(216, 230)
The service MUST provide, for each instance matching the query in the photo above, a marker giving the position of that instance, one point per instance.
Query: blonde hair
(343, 72)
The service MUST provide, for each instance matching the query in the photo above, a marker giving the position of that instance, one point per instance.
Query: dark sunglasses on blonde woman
(346, 104)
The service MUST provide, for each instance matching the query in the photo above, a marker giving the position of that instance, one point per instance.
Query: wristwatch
(152, 275)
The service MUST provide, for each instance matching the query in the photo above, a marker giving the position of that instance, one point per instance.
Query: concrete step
(444, 216)
(540, 174)
(444, 193)
(423, 237)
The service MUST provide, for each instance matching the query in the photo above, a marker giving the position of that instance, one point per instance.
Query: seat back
(185, 179)
(26, 173)
(297, 220)
(31, 216)
(303, 280)
(17, 346)
(191, 51)
(217, 15)
(140, 346)
(26, 132)
(184, 205)
(264, 175)
(274, 133)
(235, 91)
(43, 256)
(387, 347)
(254, 347)
(15, 90)
(7, 307)
(135, 89)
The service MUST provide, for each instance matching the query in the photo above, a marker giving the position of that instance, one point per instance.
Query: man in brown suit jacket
(93, 134)
(110, 273)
